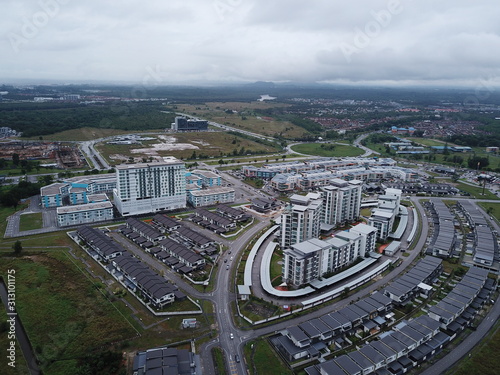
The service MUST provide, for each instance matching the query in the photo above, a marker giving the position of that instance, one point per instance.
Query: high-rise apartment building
(150, 187)
(341, 201)
(301, 220)
(334, 205)
(384, 216)
(311, 259)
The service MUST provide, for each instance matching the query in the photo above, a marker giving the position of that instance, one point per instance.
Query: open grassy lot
(263, 360)
(484, 359)
(493, 209)
(276, 267)
(476, 191)
(65, 315)
(327, 150)
(187, 146)
(245, 117)
(429, 142)
(30, 221)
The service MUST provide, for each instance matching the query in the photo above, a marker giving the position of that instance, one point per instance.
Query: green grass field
(476, 191)
(263, 360)
(30, 221)
(65, 316)
(327, 150)
(493, 209)
(484, 360)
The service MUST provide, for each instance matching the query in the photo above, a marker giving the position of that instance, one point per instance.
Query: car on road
(225, 260)
(237, 358)
(227, 267)
(231, 336)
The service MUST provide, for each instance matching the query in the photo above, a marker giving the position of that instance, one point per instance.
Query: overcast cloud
(204, 41)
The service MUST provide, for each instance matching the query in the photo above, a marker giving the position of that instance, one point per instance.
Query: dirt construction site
(66, 155)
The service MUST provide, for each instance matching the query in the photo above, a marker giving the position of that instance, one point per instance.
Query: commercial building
(189, 124)
(150, 187)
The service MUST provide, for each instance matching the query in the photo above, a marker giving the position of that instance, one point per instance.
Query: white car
(231, 336)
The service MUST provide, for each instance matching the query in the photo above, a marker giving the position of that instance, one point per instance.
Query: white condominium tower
(341, 201)
(301, 220)
(150, 187)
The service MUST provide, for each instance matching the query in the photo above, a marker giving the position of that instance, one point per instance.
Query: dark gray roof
(348, 365)
(166, 221)
(331, 367)
(193, 236)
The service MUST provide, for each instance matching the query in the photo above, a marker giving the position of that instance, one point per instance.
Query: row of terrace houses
(312, 338)
(450, 308)
(103, 247)
(368, 315)
(388, 353)
(212, 220)
(172, 253)
(138, 277)
(182, 234)
(134, 274)
(444, 238)
(485, 241)
(177, 256)
(415, 282)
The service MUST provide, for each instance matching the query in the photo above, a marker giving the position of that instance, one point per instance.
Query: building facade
(311, 259)
(342, 201)
(300, 221)
(150, 187)
(84, 213)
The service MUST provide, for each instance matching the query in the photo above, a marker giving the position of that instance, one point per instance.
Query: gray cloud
(369, 41)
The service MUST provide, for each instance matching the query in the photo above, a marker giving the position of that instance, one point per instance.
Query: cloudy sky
(451, 42)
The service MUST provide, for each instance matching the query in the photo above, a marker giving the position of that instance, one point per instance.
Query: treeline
(23, 190)
(37, 120)
(476, 140)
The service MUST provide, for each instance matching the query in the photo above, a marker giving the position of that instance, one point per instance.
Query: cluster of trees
(24, 189)
(38, 120)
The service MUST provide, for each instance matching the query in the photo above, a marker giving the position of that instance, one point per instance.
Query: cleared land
(185, 146)
(327, 150)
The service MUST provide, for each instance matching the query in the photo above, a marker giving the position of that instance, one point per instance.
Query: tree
(17, 247)
(15, 159)
(345, 292)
